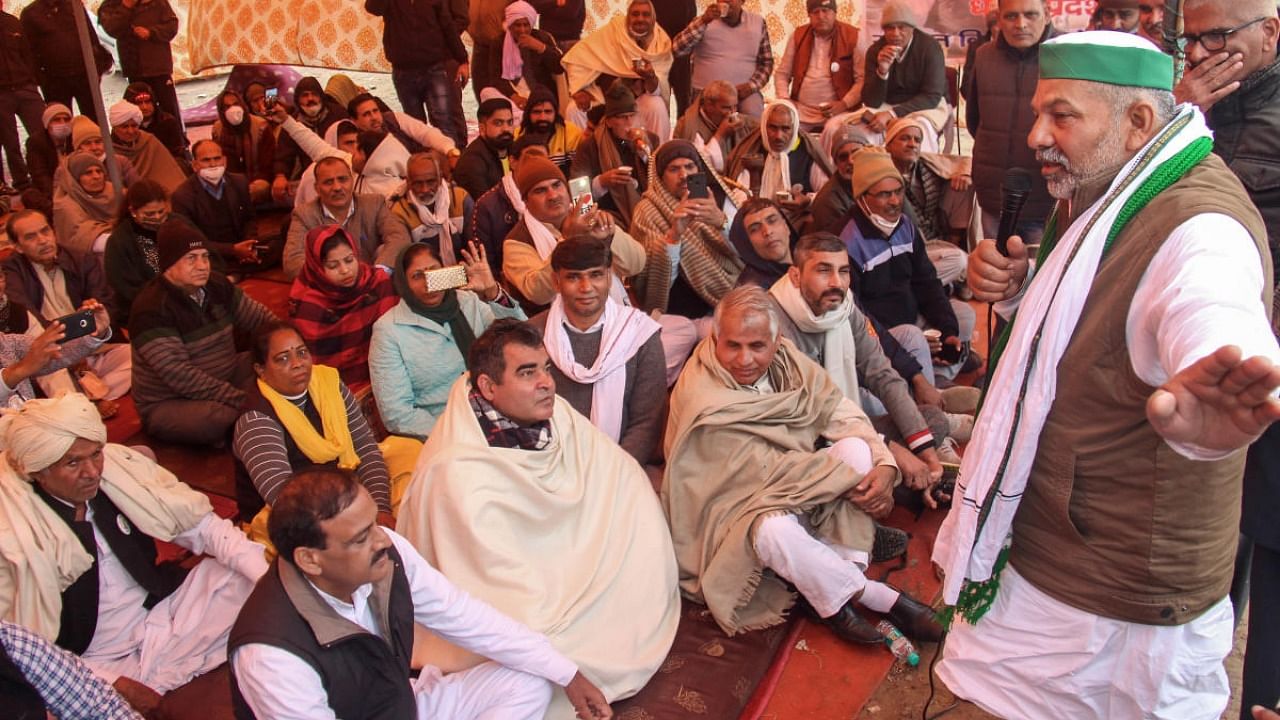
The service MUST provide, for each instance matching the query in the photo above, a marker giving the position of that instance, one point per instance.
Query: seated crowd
(526, 394)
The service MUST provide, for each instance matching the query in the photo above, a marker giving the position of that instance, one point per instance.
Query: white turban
(122, 112)
(39, 433)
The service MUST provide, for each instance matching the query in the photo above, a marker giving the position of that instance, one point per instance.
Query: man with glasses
(1234, 77)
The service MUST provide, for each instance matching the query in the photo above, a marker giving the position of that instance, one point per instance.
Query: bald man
(79, 518)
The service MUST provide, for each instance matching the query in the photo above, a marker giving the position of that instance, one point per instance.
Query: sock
(878, 597)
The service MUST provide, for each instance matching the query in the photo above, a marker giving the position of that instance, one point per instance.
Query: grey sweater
(645, 404)
(875, 373)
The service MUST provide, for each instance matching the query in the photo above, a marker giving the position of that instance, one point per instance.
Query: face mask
(60, 132)
(235, 115)
(311, 110)
(212, 175)
(887, 227)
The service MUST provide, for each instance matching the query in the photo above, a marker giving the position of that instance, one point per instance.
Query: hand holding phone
(446, 278)
(697, 186)
(271, 97)
(77, 324)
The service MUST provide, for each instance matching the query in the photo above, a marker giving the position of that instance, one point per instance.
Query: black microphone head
(1017, 180)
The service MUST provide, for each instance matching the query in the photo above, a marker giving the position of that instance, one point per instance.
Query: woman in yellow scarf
(300, 415)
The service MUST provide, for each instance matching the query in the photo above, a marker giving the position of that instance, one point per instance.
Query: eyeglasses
(1216, 40)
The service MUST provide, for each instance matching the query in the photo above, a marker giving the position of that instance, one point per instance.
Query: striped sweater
(263, 449)
(184, 350)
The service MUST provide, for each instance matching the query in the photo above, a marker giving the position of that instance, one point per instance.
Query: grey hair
(1123, 97)
(747, 300)
(721, 89)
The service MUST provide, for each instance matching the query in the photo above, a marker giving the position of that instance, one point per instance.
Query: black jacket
(539, 69)
(917, 81)
(15, 55)
(167, 130)
(83, 276)
(141, 58)
(51, 33)
(492, 219)
(224, 221)
(42, 162)
(418, 34)
(562, 18)
(479, 168)
(367, 677)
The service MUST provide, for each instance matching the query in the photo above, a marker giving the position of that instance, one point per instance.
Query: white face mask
(886, 226)
(235, 115)
(61, 131)
(312, 110)
(212, 175)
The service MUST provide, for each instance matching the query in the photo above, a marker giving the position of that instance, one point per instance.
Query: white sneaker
(961, 427)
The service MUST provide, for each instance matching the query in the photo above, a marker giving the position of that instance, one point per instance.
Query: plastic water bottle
(898, 644)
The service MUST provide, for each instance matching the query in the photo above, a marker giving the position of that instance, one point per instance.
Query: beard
(1104, 158)
(543, 126)
(501, 142)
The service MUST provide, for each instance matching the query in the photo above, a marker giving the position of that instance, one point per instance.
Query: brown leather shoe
(915, 619)
(850, 626)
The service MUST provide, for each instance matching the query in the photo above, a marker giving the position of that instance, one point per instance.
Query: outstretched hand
(1220, 403)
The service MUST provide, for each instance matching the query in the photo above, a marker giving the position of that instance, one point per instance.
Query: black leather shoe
(849, 626)
(915, 619)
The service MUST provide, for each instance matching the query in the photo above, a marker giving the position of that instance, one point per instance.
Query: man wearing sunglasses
(1234, 76)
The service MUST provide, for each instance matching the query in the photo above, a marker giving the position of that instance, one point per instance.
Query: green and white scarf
(973, 544)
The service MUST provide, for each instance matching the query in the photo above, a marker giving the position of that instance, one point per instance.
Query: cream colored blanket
(610, 51)
(735, 456)
(569, 540)
(40, 556)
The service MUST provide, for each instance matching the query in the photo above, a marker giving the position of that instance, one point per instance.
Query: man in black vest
(328, 632)
(83, 517)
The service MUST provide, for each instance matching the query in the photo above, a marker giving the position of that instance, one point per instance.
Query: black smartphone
(78, 324)
(697, 185)
(950, 353)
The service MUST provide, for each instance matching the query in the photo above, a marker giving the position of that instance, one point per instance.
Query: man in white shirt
(328, 632)
(79, 521)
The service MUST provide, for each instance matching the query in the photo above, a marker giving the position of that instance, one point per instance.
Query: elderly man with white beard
(1090, 556)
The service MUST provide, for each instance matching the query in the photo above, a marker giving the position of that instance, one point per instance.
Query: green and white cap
(1106, 57)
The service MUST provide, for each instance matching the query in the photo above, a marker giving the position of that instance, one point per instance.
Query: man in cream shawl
(753, 506)
(1093, 540)
(78, 566)
(519, 500)
(634, 49)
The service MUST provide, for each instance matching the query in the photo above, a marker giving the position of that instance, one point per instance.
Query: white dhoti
(184, 635)
(1032, 656)
(488, 691)
(826, 574)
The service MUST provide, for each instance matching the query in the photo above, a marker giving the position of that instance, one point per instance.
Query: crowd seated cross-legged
(428, 323)
(299, 414)
(433, 209)
(542, 117)
(714, 124)
(820, 70)
(85, 204)
(499, 210)
(328, 631)
(584, 554)
(615, 156)
(758, 514)
(781, 163)
(248, 143)
(220, 204)
(78, 528)
(130, 259)
(147, 154)
(28, 352)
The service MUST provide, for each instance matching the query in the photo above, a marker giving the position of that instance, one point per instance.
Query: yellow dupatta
(325, 391)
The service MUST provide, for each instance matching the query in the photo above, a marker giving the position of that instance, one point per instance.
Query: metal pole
(95, 86)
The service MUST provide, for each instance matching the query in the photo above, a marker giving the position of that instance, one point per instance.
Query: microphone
(1017, 185)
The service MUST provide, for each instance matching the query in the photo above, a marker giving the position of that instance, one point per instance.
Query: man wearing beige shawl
(756, 512)
(630, 48)
(78, 566)
(523, 503)
(144, 150)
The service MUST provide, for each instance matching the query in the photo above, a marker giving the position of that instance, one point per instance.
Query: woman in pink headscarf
(528, 57)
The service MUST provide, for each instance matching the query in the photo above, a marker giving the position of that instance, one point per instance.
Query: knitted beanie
(82, 129)
(816, 4)
(672, 149)
(899, 12)
(871, 164)
(535, 169)
(177, 237)
(619, 100)
(81, 161)
(53, 110)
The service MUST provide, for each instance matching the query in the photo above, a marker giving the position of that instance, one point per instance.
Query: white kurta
(1032, 656)
(278, 684)
(185, 634)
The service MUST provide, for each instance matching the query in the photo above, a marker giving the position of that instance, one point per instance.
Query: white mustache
(1053, 155)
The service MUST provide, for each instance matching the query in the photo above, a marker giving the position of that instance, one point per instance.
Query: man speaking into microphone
(1091, 545)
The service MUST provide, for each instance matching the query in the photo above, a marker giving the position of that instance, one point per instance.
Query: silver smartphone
(580, 191)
